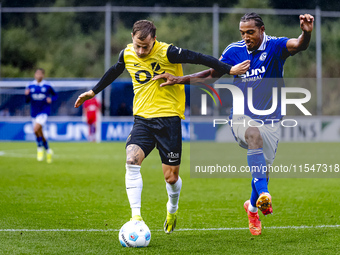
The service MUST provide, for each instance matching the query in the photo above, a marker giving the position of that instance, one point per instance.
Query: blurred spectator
(4, 112)
(91, 108)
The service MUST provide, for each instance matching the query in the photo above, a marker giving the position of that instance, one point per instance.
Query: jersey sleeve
(178, 55)
(228, 56)
(53, 94)
(111, 74)
(281, 47)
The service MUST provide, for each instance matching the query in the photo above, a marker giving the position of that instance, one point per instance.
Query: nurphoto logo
(239, 102)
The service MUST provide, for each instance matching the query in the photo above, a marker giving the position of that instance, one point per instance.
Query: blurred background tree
(72, 44)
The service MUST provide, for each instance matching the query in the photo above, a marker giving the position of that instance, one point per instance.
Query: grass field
(77, 204)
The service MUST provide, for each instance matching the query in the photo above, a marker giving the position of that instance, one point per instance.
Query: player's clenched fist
(83, 97)
(306, 22)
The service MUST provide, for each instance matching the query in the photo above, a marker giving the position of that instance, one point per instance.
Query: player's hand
(306, 22)
(170, 79)
(48, 100)
(240, 68)
(83, 97)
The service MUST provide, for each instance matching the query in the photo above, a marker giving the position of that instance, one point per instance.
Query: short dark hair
(253, 16)
(144, 29)
(41, 69)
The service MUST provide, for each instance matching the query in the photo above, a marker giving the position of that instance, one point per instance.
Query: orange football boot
(264, 203)
(254, 220)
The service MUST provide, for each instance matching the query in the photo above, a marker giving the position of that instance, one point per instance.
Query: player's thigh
(41, 119)
(169, 140)
(38, 122)
(37, 128)
(134, 155)
(270, 134)
(239, 126)
(139, 143)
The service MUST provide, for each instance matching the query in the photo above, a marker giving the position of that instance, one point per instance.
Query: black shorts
(165, 133)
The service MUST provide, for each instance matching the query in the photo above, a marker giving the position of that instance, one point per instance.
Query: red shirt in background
(91, 107)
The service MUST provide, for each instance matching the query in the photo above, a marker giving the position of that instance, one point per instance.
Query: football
(134, 234)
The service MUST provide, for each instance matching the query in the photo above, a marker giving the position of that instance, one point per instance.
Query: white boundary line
(8, 154)
(181, 229)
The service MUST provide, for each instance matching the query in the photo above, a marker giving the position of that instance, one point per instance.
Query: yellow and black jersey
(151, 100)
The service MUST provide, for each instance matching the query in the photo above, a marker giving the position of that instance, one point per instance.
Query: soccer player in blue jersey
(40, 94)
(267, 55)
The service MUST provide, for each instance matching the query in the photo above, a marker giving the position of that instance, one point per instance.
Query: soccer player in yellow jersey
(157, 110)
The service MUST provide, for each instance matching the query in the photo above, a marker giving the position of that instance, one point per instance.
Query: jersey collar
(39, 84)
(155, 45)
(263, 44)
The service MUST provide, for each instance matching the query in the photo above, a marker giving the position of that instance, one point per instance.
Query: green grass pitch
(84, 189)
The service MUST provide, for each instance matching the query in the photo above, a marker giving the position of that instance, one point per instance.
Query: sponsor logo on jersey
(39, 96)
(144, 76)
(253, 74)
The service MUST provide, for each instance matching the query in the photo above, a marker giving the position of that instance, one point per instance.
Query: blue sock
(254, 195)
(45, 145)
(256, 163)
(39, 141)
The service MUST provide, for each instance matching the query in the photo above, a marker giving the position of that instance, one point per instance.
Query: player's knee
(134, 155)
(37, 129)
(171, 175)
(37, 132)
(172, 179)
(253, 138)
(133, 160)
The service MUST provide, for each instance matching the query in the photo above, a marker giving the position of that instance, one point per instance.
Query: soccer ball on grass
(134, 234)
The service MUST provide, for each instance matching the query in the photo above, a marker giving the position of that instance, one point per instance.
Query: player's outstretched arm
(201, 76)
(181, 56)
(105, 81)
(301, 43)
(187, 79)
(83, 97)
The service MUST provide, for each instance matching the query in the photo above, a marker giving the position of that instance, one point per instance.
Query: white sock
(135, 211)
(173, 194)
(40, 149)
(252, 208)
(134, 186)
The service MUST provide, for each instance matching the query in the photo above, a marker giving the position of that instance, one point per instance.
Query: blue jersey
(265, 72)
(37, 97)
